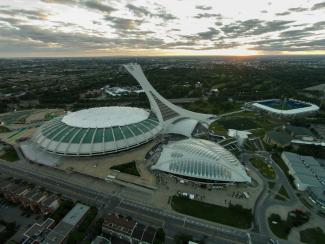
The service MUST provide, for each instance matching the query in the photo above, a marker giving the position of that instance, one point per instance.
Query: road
(266, 199)
(174, 223)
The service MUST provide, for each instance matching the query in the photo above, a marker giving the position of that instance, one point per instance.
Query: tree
(160, 236)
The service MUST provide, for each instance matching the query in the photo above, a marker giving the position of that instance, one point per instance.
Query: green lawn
(10, 155)
(312, 236)
(216, 127)
(238, 123)
(4, 129)
(265, 169)
(128, 168)
(280, 229)
(235, 215)
(282, 194)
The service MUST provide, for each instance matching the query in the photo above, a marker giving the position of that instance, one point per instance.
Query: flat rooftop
(75, 214)
(308, 169)
(67, 224)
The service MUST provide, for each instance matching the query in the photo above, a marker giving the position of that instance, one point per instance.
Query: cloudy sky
(161, 27)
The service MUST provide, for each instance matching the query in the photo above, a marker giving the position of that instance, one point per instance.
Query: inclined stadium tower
(105, 130)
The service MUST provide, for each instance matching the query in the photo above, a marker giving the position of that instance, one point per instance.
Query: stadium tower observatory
(174, 119)
(104, 130)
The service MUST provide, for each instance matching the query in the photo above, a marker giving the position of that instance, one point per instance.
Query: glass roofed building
(201, 161)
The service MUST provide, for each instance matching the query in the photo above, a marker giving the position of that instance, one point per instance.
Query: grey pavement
(60, 182)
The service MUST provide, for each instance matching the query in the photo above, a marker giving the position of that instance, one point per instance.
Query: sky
(63, 28)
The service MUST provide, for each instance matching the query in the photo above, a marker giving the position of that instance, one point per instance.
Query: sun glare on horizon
(193, 27)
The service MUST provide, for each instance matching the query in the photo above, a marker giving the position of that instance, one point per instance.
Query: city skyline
(56, 28)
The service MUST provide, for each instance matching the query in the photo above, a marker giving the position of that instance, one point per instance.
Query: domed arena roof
(98, 131)
(201, 160)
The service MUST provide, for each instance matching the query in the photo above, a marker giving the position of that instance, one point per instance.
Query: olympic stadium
(108, 130)
(98, 131)
(105, 130)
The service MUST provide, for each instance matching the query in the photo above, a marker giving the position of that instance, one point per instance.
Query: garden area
(234, 215)
(312, 236)
(265, 169)
(282, 195)
(10, 155)
(4, 129)
(281, 228)
(238, 123)
(128, 168)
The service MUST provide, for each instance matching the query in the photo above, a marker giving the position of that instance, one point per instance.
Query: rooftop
(299, 131)
(280, 137)
(75, 214)
(201, 159)
(103, 117)
(67, 224)
(307, 168)
(119, 223)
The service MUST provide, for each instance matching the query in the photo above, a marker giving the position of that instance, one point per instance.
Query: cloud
(283, 13)
(318, 6)
(67, 2)
(165, 16)
(138, 11)
(295, 33)
(30, 14)
(96, 5)
(203, 7)
(31, 37)
(254, 27)
(207, 15)
(142, 12)
(123, 23)
(298, 9)
(10, 20)
(90, 4)
(208, 35)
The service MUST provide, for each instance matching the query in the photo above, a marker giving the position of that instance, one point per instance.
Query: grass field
(4, 129)
(312, 236)
(280, 229)
(235, 215)
(265, 169)
(216, 127)
(282, 194)
(238, 123)
(10, 155)
(128, 168)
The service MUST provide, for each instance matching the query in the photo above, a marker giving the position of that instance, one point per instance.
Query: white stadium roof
(105, 117)
(201, 159)
(98, 131)
(308, 109)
